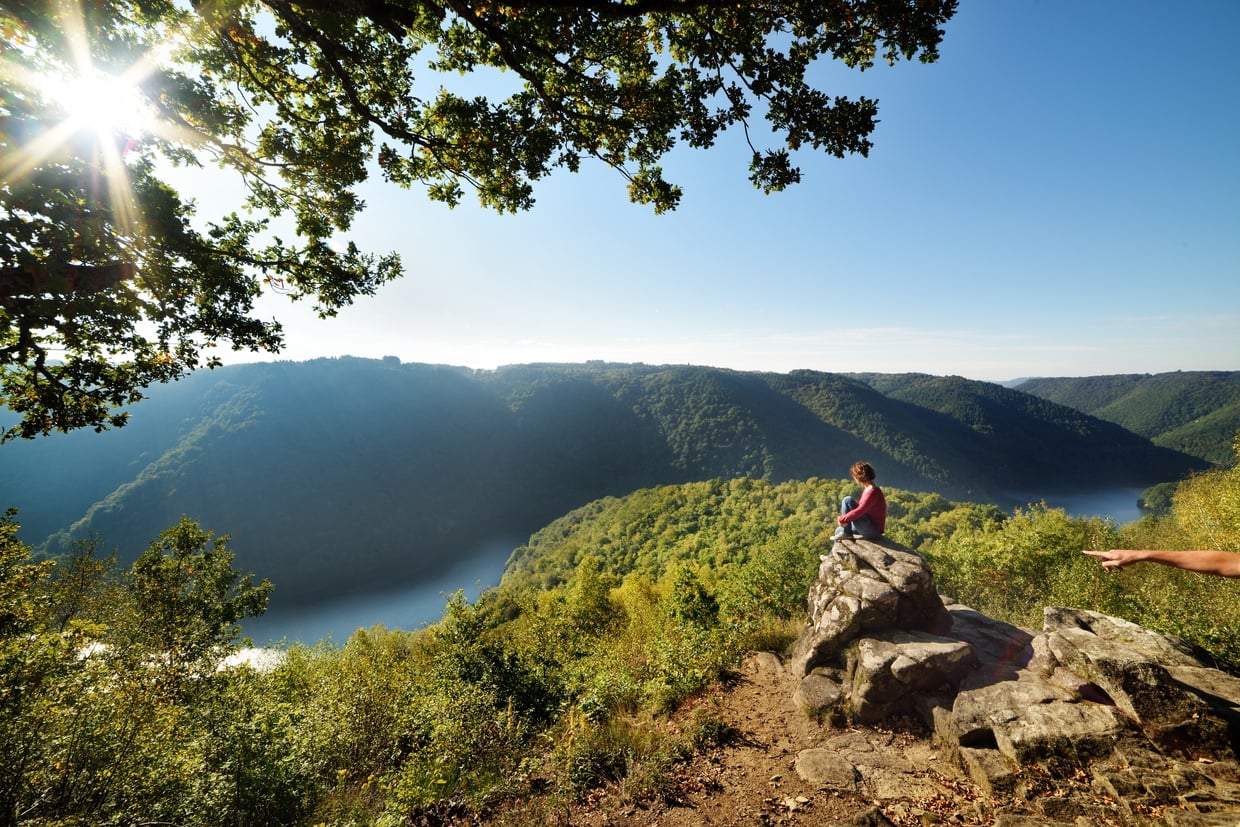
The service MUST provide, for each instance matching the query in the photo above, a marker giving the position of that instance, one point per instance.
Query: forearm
(1206, 561)
(863, 509)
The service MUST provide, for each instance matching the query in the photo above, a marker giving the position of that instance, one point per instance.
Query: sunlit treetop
(108, 282)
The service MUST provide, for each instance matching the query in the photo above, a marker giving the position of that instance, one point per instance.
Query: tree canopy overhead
(108, 282)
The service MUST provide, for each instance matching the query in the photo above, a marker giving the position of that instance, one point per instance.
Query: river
(409, 608)
(423, 603)
(1120, 504)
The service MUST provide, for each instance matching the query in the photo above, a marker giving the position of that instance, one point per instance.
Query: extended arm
(1206, 561)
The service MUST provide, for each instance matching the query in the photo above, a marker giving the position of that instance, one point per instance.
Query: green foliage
(114, 709)
(771, 583)
(467, 745)
(1011, 569)
(590, 755)
(710, 526)
(1156, 500)
(33, 663)
(469, 650)
(254, 764)
(689, 601)
(188, 598)
(1206, 508)
(352, 701)
(561, 679)
(1196, 412)
(105, 267)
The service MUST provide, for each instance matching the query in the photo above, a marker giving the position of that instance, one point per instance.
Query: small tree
(1206, 508)
(112, 710)
(187, 598)
(31, 662)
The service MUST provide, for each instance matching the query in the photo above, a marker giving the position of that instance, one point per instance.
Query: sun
(65, 110)
(74, 86)
(64, 101)
(109, 111)
(106, 105)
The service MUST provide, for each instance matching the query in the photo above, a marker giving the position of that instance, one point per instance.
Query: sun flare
(104, 104)
(68, 98)
(69, 107)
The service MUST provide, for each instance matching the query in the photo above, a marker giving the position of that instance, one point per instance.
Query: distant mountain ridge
(1197, 412)
(347, 475)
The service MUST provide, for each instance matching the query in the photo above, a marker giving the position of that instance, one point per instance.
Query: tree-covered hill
(1197, 412)
(1012, 430)
(347, 475)
(601, 669)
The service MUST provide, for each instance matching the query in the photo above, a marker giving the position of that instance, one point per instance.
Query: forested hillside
(347, 475)
(596, 673)
(1197, 412)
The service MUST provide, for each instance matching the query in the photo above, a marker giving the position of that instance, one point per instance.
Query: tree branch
(39, 279)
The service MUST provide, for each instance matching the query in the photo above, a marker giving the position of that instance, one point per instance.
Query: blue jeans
(863, 527)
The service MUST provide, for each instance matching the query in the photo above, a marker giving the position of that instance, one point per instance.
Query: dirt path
(751, 780)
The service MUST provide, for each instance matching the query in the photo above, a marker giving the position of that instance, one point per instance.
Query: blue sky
(1058, 196)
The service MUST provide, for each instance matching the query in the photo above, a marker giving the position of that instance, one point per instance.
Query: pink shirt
(873, 504)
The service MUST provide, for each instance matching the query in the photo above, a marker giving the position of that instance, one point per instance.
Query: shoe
(842, 533)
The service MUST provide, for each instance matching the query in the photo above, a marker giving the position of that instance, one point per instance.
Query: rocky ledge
(1128, 726)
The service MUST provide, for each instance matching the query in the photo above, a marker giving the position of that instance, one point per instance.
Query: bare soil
(751, 779)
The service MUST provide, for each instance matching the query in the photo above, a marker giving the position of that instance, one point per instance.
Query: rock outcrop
(1139, 728)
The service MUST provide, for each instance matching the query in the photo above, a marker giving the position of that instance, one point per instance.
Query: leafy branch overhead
(109, 283)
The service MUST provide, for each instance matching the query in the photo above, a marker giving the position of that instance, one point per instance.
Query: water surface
(1120, 504)
(409, 608)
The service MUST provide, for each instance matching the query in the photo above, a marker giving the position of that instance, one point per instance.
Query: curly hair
(863, 472)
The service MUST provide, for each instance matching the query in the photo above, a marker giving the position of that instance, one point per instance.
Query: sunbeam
(70, 107)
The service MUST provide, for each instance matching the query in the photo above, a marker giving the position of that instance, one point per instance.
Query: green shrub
(464, 744)
(589, 754)
(1011, 569)
(772, 583)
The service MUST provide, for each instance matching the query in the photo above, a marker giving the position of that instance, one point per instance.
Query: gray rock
(866, 586)
(818, 694)
(873, 817)
(1061, 735)
(826, 769)
(889, 671)
(1092, 719)
(993, 774)
(980, 708)
(1162, 648)
(1132, 666)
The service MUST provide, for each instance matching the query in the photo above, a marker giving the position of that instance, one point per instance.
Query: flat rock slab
(826, 769)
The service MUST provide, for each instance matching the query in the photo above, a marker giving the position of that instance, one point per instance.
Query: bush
(772, 583)
(113, 704)
(463, 743)
(1012, 569)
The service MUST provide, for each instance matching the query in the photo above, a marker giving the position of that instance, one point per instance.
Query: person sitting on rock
(865, 518)
(1205, 561)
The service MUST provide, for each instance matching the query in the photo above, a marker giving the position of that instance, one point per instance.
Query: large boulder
(1141, 722)
(892, 673)
(865, 587)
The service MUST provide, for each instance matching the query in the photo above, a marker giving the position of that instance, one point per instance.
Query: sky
(1059, 195)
